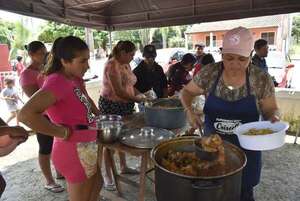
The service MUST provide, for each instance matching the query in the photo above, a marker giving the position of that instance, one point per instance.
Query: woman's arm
(32, 115)
(269, 108)
(10, 138)
(8, 149)
(188, 93)
(29, 90)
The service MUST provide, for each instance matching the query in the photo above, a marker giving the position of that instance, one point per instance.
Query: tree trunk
(164, 33)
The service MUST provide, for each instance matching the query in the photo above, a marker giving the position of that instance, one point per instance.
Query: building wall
(201, 37)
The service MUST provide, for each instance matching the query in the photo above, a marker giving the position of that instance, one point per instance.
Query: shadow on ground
(279, 182)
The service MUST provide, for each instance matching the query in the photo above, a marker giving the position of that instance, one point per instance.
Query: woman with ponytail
(31, 80)
(64, 97)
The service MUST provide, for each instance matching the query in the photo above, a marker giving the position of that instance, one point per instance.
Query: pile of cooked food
(254, 131)
(187, 163)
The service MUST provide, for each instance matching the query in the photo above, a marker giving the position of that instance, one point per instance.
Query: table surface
(133, 121)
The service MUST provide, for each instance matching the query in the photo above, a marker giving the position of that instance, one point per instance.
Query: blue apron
(223, 116)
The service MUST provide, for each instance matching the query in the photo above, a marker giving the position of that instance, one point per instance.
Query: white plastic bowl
(262, 142)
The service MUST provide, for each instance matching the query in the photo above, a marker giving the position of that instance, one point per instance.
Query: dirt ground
(280, 176)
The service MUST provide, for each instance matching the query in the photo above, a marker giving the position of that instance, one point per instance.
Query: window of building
(269, 36)
(207, 41)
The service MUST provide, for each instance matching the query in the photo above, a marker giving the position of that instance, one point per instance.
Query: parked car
(138, 57)
(280, 67)
(168, 56)
(165, 57)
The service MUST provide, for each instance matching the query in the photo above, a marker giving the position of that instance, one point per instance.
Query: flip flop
(54, 188)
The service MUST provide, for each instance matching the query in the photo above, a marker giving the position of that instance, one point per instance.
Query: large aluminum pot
(262, 142)
(173, 186)
(165, 113)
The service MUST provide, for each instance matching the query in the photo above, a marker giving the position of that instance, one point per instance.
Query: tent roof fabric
(256, 22)
(133, 14)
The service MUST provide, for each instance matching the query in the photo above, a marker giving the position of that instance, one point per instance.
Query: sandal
(109, 187)
(54, 188)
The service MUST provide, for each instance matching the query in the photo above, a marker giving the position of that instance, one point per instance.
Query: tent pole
(110, 41)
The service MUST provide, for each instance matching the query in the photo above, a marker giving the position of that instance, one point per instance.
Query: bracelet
(66, 133)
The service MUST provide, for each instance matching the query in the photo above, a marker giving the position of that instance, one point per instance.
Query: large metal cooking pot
(165, 113)
(177, 187)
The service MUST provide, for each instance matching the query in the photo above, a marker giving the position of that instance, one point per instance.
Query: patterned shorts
(118, 108)
(76, 161)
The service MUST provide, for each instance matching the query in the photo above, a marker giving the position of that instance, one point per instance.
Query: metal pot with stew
(180, 174)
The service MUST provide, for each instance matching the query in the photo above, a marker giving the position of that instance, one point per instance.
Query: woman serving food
(237, 92)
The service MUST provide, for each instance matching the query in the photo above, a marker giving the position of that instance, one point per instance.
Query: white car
(280, 68)
(165, 57)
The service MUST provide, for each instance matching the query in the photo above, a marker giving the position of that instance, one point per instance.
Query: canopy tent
(129, 14)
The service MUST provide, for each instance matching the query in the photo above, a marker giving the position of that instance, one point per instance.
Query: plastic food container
(265, 141)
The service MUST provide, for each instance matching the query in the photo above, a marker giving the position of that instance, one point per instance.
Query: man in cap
(150, 75)
(261, 51)
(199, 47)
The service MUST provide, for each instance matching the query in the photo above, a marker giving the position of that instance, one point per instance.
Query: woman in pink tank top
(64, 97)
(31, 80)
(118, 95)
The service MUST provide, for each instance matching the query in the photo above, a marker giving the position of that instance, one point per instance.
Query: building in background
(275, 29)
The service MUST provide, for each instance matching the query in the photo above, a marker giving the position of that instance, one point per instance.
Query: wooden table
(132, 121)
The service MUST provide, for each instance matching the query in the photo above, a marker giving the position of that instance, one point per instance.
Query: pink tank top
(31, 77)
(126, 76)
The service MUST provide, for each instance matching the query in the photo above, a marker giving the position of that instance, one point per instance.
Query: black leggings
(2, 184)
(45, 142)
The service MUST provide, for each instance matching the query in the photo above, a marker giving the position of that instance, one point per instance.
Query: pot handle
(208, 186)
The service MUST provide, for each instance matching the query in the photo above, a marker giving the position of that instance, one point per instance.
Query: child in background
(10, 95)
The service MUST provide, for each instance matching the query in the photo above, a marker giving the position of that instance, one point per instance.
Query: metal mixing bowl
(110, 127)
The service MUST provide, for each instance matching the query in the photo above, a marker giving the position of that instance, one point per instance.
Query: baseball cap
(149, 51)
(199, 45)
(238, 41)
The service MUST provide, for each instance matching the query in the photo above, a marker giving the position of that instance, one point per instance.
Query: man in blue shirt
(261, 51)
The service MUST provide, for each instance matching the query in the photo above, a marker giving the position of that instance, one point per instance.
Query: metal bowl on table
(110, 127)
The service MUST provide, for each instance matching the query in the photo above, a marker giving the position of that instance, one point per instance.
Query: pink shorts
(76, 159)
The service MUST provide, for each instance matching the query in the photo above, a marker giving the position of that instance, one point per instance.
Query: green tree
(20, 39)
(131, 35)
(165, 32)
(53, 30)
(6, 32)
(176, 42)
(296, 28)
(100, 38)
(144, 36)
